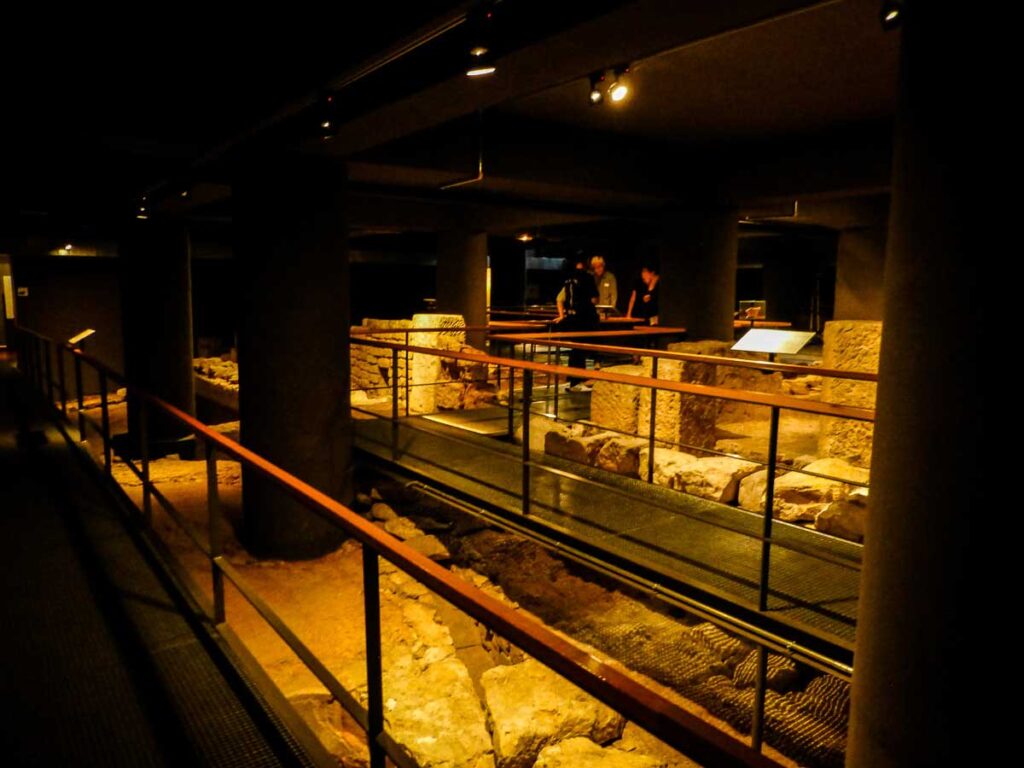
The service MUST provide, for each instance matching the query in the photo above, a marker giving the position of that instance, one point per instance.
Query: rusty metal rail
(647, 708)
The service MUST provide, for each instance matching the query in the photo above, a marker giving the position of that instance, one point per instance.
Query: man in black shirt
(577, 311)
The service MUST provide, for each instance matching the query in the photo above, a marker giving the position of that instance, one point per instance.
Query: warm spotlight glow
(618, 91)
(478, 51)
(184, 193)
(525, 237)
(596, 97)
(141, 216)
(325, 124)
(480, 71)
(892, 15)
(68, 247)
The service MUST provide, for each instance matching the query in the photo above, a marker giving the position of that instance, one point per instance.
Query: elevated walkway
(102, 665)
(666, 540)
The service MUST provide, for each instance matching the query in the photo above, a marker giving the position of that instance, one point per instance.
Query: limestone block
(430, 546)
(615, 406)
(635, 739)
(686, 420)
(752, 490)
(849, 345)
(668, 464)
(800, 497)
(577, 752)
(577, 443)
(439, 731)
(383, 512)
(427, 369)
(341, 735)
(530, 707)
(402, 528)
(845, 518)
(715, 477)
(621, 455)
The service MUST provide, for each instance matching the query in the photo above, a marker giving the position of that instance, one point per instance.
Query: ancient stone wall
(850, 345)
(371, 366)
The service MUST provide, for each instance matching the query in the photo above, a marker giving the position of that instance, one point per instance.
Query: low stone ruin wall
(850, 345)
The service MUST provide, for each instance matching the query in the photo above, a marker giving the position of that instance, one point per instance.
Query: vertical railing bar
(216, 526)
(105, 423)
(408, 373)
(48, 368)
(61, 375)
(527, 402)
(769, 504)
(374, 671)
(653, 422)
(760, 688)
(511, 401)
(147, 499)
(80, 397)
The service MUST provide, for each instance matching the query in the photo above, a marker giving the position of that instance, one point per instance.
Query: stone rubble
(530, 707)
(579, 752)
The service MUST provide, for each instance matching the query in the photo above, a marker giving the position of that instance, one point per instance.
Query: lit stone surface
(800, 497)
(579, 752)
(636, 739)
(615, 406)
(846, 518)
(752, 488)
(715, 477)
(576, 443)
(530, 707)
(621, 455)
(440, 731)
(688, 420)
(850, 345)
(333, 727)
(668, 465)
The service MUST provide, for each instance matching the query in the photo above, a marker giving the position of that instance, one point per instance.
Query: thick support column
(860, 263)
(916, 659)
(462, 279)
(156, 301)
(698, 273)
(293, 351)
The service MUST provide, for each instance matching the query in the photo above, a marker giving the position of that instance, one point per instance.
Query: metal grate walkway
(100, 664)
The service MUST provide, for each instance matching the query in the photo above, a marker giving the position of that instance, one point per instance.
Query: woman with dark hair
(644, 298)
(577, 311)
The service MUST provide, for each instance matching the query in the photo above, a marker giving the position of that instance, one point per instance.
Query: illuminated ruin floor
(496, 707)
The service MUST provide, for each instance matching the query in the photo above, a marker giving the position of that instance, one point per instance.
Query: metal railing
(649, 709)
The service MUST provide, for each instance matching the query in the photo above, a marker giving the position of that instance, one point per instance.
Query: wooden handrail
(650, 710)
(754, 398)
(642, 331)
(834, 373)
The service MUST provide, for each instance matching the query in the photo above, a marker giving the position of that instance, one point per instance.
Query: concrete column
(698, 273)
(916, 657)
(293, 351)
(462, 279)
(860, 262)
(156, 316)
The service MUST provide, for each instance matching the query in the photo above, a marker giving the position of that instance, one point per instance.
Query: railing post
(652, 427)
(769, 504)
(394, 385)
(147, 500)
(527, 402)
(63, 382)
(407, 373)
(105, 423)
(80, 398)
(511, 403)
(760, 686)
(216, 526)
(374, 671)
(556, 396)
(48, 372)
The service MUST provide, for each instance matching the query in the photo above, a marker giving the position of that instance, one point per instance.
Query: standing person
(607, 286)
(644, 299)
(577, 311)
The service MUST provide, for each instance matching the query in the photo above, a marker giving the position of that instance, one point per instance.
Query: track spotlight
(891, 14)
(325, 118)
(480, 31)
(596, 91)
(621, 85)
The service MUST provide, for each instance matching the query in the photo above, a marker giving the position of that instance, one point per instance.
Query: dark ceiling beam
(635, 31)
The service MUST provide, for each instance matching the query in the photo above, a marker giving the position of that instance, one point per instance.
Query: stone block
(616, 406)
(849, 345)
(715, 477)
(800, 497)
(845, 518)
(621, 455)
(578, 752)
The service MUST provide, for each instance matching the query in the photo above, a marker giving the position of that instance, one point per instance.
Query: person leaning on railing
(577, 311)
(647, 292)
